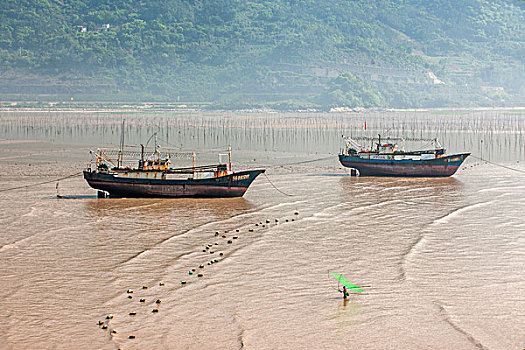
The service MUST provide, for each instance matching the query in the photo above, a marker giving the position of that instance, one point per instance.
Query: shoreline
(156, 107)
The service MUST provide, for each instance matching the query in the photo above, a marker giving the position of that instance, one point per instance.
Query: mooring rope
(500, 165)
(305, 161)
(40, 183)
(271, 183)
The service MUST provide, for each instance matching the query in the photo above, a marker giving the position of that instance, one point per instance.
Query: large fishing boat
(155, 178)
(387, 159)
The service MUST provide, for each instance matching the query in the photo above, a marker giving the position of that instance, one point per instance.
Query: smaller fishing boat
(155, 178)
(387, 159)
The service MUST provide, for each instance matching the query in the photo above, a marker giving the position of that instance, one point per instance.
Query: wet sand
(443, 258)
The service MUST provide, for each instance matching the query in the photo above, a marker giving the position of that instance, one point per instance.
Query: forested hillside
(276, 54)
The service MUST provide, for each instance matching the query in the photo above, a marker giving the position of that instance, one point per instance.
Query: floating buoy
(132, 313)
(131, 337)
(155, 310)
(109, 317)
(229, 242)
(221, 254)
(158, 301)
(161, 283)
(199, 275)
(142, 300)
(104, 327)
(129, 291)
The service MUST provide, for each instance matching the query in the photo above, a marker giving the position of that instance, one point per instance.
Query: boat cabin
(158, 164)
(386, 148)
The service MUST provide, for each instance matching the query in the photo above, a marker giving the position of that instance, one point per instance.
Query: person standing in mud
(345, 292)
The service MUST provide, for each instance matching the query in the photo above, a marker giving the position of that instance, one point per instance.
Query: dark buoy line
(207, 247)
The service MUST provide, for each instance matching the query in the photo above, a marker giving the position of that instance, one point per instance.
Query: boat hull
(438, 167)
(233, 185)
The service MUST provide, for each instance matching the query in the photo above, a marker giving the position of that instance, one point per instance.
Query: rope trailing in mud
(306, 161)
(41, 183)
(271, 183)
(500, 165)
(295, 163)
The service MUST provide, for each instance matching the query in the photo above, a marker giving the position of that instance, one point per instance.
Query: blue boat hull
(438, 167)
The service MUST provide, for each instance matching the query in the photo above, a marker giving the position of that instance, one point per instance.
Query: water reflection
(158, 208)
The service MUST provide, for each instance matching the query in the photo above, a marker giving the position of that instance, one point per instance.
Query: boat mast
(120, 159)
(141, 165)
(230, 157)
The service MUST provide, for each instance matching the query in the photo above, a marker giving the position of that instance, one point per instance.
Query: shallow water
(442, 259)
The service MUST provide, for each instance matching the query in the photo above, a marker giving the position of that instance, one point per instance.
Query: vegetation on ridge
(279, 54)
